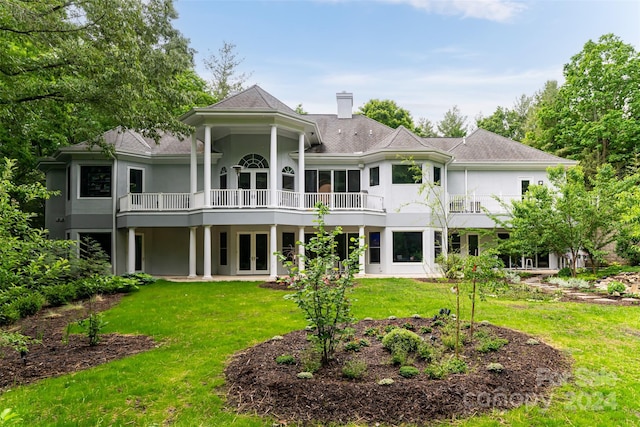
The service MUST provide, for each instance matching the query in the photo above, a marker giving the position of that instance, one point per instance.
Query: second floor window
(405, 174)
(336, 181)
(288, 178)
(95, 181)
(437, 175)
(374, 176)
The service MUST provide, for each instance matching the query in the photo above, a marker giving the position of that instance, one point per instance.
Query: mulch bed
(257, 384)
(53, 357)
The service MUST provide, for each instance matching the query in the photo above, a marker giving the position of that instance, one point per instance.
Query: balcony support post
(192, 251)
(131, 250)
(274, 172)
(361, 259)
(301, 167)
(207, 166)
(207, 252)
(273, 259)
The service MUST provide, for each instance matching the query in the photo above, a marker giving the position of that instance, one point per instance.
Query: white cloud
(492, 10)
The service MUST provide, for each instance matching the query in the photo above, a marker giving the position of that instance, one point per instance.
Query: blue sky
(427, 55)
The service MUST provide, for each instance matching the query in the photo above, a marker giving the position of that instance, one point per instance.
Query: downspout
(114, 240)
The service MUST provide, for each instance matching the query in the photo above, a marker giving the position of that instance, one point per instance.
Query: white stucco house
(243, 186)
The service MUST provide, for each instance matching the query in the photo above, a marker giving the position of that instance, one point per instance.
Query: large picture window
(95, 181)
(407, 246)
(336, 181)
(405, 174)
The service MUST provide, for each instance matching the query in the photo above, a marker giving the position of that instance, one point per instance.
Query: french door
(254, 184)
(253, 253)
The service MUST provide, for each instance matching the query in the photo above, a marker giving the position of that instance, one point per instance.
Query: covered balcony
(247, 199)
(478, 203)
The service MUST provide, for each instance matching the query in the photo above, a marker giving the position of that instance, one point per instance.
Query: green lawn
(200, 325)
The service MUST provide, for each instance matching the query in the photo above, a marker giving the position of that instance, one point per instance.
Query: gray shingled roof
(129, 141)
(485, 146)
(253, 98)
(355, 135)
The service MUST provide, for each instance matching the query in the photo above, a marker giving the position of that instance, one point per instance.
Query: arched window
(254, 161)
(288, 178)
(223, 178)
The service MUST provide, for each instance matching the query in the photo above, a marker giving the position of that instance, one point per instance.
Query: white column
(273, 247)
(207, 166)
(274, 172)
(361, 259)
(192, 251)
(193, 187)
(131, 254)
(301, 248)
(207, 252)
(301, 169)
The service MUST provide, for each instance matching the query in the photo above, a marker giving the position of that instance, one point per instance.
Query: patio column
(274, 172)
(273, 247)
(192, 251)
(207, 166)
(207, 252)
(193, 181)
(361, 259)
(131, 254)
(300, 248)
(301, 170)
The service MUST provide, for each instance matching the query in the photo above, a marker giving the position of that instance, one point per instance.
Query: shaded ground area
(257, 384)
(53, 357)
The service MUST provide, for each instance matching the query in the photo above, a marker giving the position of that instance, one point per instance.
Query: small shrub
(408, 326)
(28, 304)
(495, 367)
(352, 346)
(311, 359)
(425, 330)
(389, 328)
(286, 359)
(305, 375)
(488, 342)
(445, 367)
(564, 272)
(141, 279)
(401, 340)
(371, 332)
(354, 369)
(386, 381)
(616, 286)
(364, 343)
(409, 371)
(428, 352)
(58, 295)
(437, 323)
(92, 326)
(348, 334)
(8, 314)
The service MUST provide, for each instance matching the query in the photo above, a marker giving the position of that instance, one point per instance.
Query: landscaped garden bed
(363, 384)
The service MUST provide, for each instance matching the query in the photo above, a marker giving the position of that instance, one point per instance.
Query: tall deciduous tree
(69, 70)
(569, 215)
(225, 78)
(453, 124)
(509, 122)
(387, 112)
(596, 116)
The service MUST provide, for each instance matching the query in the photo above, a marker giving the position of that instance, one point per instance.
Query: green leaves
(387, 112)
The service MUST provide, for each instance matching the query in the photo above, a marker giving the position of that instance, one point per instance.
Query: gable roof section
(347, 136)
(483, 146)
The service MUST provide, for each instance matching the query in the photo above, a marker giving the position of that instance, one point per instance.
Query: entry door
(255, 184)
(253, 253)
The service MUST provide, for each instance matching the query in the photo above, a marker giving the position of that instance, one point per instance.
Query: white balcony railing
(230, 199)
(477, 204)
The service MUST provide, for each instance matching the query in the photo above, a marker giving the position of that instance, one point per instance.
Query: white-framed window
(437, 175)
(407, 246)
(288, 178)
(332, 181)
(374, 176)
(405, 174)
(135, 182)
(95, 181)
(374, 247)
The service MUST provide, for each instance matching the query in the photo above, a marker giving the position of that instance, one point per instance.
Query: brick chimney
(345, 105)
